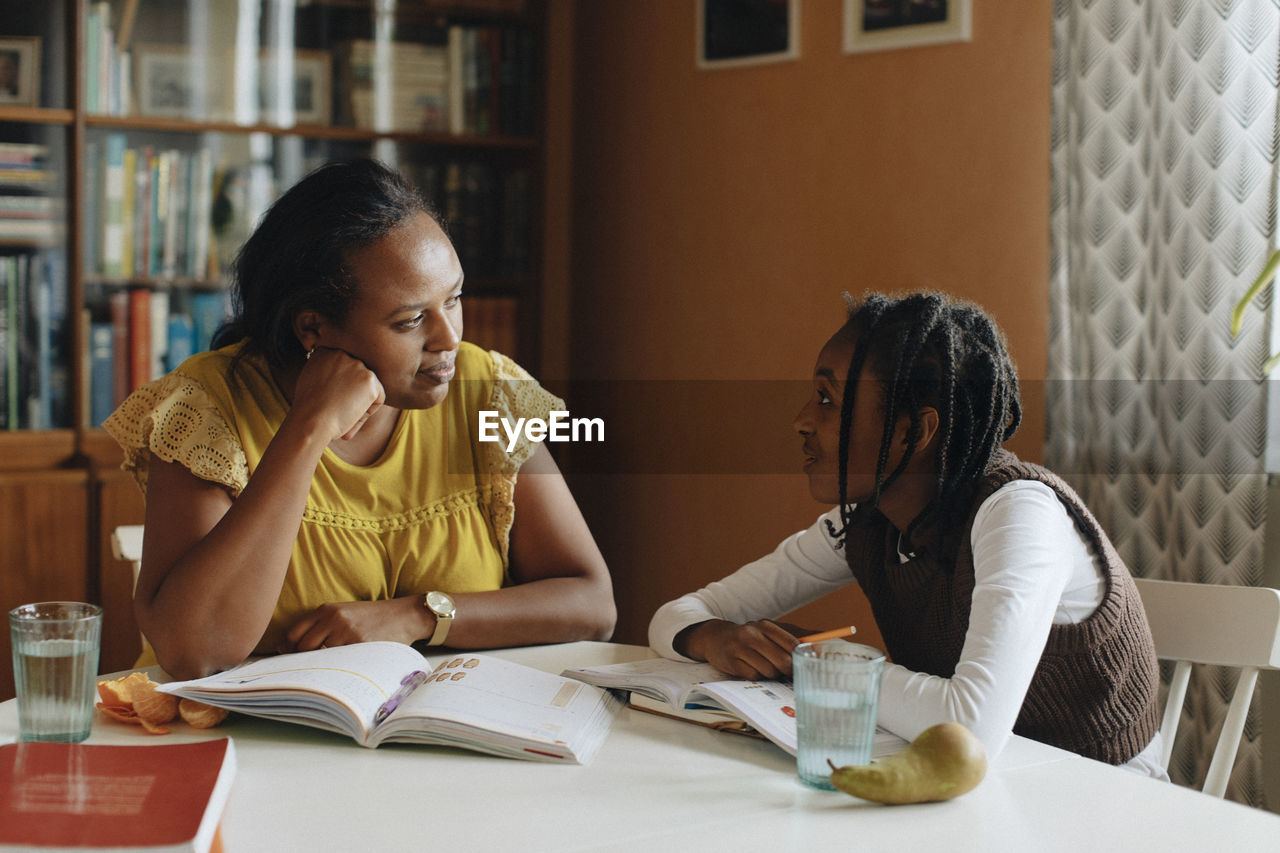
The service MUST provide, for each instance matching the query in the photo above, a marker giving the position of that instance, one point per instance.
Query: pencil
(833, 634)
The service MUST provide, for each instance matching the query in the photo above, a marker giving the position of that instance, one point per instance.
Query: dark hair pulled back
(295, 259)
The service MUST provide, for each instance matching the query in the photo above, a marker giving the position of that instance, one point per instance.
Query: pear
(944, 761)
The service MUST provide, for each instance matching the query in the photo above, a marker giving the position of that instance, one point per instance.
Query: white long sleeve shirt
(1032, 568)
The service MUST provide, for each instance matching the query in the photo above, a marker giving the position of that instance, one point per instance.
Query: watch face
(440, 604)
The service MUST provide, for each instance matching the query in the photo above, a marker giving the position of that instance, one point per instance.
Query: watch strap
(444, 621)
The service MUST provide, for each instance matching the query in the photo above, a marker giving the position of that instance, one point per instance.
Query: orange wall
(717, 217)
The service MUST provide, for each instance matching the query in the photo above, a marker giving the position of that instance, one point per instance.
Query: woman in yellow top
(319, 479)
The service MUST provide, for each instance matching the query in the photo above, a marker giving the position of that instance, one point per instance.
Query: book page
(499, 702)
(339, 688)
(770, 706)
(670, 681)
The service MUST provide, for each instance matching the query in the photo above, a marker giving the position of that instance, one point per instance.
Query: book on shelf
(112, 207)
(383, 692)
(411, 96)
(767, 706)
(49, 396)
(154, 210)
(465, 79)
(102, 394)
(121, 359)
(9, 333)
(38, 320)
(209, 308)
(159, 332)
(80, 797)
(181, 340)
(18, 155)
(139, 335)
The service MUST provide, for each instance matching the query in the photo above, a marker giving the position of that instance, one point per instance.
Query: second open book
(471, 701)
(768, 706)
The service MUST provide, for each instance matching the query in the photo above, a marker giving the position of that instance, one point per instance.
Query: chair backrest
(1235, 626)
(126, 544)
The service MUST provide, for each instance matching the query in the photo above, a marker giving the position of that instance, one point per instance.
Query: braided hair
(928, 350)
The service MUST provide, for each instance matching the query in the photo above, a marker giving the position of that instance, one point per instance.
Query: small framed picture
(888, 24)
(733, 33)
(20, 71)
(171, 82)
(312, 99)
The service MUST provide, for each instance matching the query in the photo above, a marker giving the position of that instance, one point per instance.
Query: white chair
(1236, 626)
(126, 544)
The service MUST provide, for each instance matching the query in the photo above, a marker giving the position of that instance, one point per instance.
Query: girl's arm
(722, 622)
(1022, 539)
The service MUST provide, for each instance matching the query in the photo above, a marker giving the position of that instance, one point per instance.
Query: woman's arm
(1022, 542)
(212, 567)
(562, 590)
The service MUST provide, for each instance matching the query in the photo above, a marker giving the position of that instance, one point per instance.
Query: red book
(139, 338)
(61, 796)
(119, 304)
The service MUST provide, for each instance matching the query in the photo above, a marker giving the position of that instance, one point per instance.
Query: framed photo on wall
(733, 33)
(20, 71)
(889, 24)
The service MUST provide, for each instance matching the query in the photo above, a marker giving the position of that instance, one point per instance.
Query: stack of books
(471, 80)
(29, 216)
(416, 98)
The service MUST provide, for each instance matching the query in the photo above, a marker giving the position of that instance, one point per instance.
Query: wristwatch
(443, 607)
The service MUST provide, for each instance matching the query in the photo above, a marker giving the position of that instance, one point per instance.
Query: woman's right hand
(336, 391)
(759, 649)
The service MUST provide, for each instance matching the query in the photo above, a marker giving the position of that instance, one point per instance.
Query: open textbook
(382, 692)
(768, 706)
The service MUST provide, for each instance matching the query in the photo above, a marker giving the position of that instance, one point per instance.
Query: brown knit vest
(1094, 691)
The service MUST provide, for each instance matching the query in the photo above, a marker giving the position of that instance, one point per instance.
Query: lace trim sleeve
(175, 420)
(516, 394)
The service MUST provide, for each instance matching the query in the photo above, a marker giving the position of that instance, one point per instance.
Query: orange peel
(198, 715)
(134, 699)
(152, 705)
(119, 691)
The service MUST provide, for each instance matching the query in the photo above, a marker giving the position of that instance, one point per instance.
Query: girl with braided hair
(1002, 603)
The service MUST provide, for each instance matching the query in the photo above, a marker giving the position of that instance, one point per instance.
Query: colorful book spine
(139, 338)
(113, 205)
(208, 310)
(118, 304)
(102, 394)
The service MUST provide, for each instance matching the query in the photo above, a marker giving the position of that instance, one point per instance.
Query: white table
(660, 784)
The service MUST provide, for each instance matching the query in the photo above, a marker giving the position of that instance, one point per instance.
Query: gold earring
(311, 352)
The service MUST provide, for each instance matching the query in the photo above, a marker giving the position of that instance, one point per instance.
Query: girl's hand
(760, 649)
(400, 620)
(338, 391)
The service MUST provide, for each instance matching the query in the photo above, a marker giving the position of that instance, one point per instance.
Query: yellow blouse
(433, 512)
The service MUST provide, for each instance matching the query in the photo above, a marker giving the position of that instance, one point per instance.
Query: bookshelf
(140, 140)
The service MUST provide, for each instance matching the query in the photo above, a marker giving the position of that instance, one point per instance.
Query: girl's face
(406, 320)
(819, 425)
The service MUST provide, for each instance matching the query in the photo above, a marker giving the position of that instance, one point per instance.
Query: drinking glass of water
(55, 664)
(837, 686)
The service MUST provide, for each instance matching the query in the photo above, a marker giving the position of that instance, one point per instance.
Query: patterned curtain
(1163, 211)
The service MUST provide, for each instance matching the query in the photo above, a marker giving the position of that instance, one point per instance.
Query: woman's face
(406, 320)
(819, 425)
